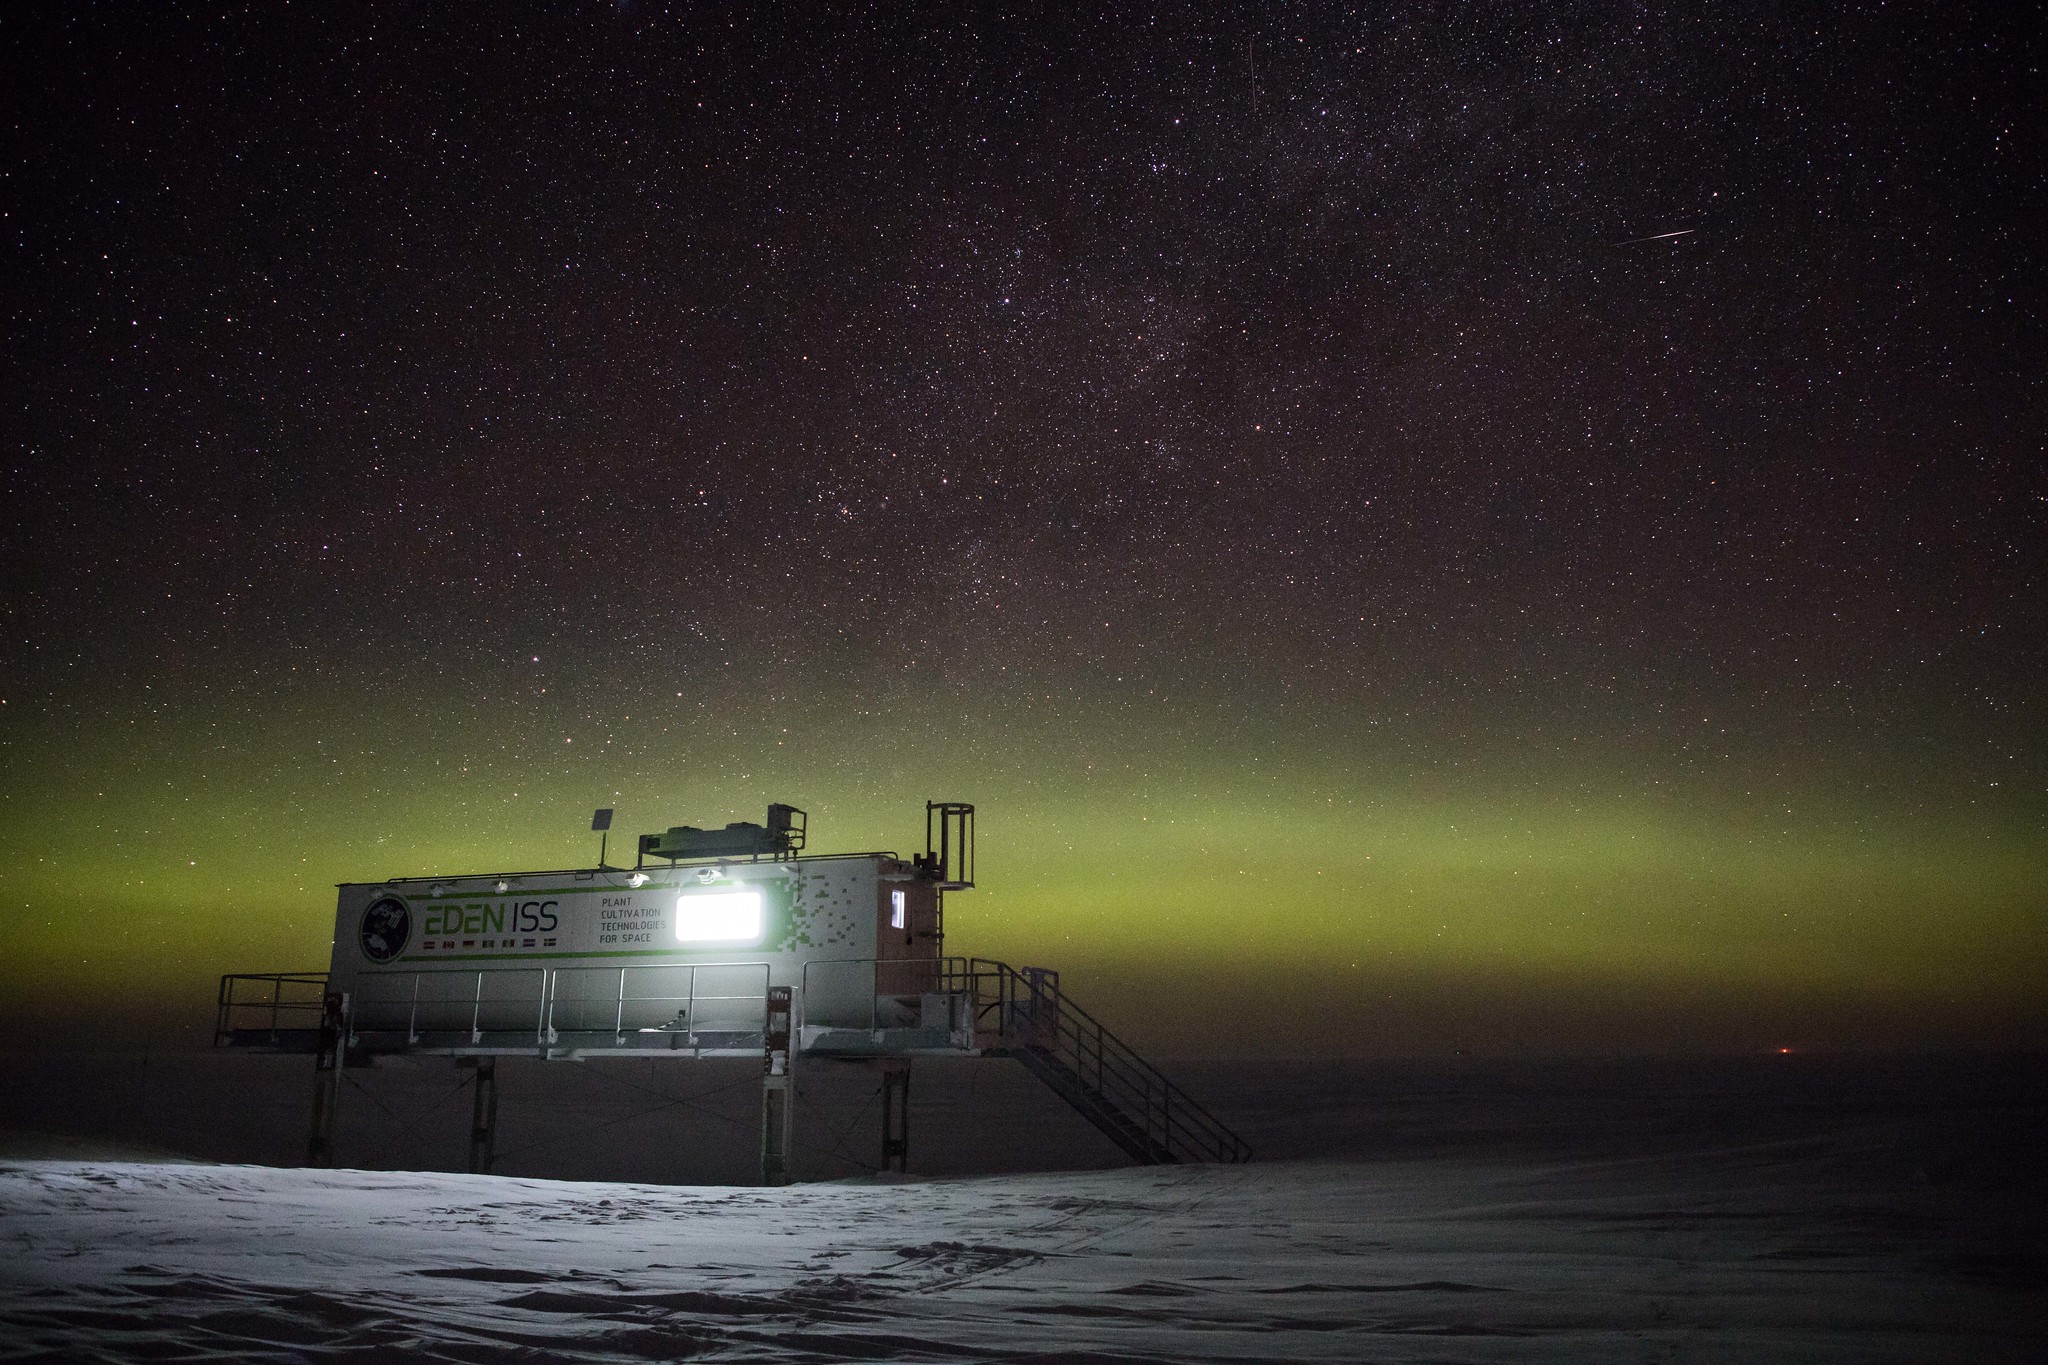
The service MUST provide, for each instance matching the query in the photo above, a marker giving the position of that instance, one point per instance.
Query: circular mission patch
(387, 924)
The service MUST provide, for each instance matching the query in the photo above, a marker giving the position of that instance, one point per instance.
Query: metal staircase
(1021, 1013)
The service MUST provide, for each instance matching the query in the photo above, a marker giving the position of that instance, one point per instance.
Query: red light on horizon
(1783, 1050)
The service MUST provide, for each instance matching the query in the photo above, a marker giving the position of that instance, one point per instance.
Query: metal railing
(944, 974)
(694, 1004)
(1021, 1012)
(450, 1000)
(269, 1003)
(547, 1002)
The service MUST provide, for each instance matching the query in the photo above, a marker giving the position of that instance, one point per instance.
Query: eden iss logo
(387, 924)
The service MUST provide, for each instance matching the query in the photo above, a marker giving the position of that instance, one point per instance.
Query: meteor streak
(1658, 237)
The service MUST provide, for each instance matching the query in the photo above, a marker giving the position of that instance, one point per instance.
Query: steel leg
(327, 1064)
(775, 1125)
(896, 1115)
(778, 1090)
(483, 1115)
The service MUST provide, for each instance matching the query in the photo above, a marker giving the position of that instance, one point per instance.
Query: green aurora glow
(1355, 893)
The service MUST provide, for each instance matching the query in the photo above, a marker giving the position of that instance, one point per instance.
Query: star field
(1271, 460)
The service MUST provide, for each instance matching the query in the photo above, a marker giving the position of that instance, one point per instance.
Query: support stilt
(483, 1114)
(896, 1114)
(778, 1090)
(328, 1058)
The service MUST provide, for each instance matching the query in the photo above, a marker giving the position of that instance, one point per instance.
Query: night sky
(1504, 528)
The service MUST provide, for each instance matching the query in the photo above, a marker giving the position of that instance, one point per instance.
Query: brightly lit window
(718, 917)
(896, 911)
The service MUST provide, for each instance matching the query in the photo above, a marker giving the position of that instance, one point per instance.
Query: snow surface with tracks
(1721, 1255)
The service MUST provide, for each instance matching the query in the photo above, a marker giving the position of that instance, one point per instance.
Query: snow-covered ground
(1760, 1252)
(1764, 1209)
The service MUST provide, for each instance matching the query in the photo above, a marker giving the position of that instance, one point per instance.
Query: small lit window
(896, 910)
(718, 917)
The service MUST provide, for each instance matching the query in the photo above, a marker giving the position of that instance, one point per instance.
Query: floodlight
(718, 917)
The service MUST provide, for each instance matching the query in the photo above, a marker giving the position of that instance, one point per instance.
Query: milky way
(1439, 528)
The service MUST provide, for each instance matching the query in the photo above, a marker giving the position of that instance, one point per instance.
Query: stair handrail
(1065, 1006)
(1136, 1078)
(1120, 1074)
